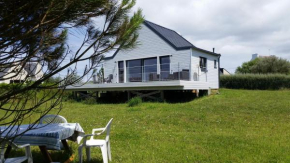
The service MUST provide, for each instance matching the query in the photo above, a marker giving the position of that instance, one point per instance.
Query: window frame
(203, 63)
(121, 76)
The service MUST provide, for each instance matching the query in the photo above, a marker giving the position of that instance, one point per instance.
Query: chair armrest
(97, 129)
(89, 135)
(22, 146)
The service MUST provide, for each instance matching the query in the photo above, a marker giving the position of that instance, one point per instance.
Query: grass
(235, 126)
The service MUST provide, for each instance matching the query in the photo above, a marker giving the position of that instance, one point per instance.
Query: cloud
(236, 28)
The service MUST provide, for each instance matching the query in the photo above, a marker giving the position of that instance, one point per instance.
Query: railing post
(158, 68)
(190, 67)
(178, 72)
(143, 73)
(125, 71)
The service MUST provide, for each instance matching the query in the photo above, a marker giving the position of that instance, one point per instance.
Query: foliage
(246, 67)
(265, 65)
(255, 81)
(37, 31)
(52, 79)
(134, 101)
(235, 126)
(90, 101)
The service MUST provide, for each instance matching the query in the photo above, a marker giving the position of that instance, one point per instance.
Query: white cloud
(236, 28)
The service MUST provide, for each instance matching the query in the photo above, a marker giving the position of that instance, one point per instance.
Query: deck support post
(209, 91)
(97, 96)
(197, 93)
(129, 95)
(162, 95)
(76, 95)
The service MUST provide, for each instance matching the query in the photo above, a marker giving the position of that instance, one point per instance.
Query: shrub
(134, 101)
(256, 81)
(90, 100)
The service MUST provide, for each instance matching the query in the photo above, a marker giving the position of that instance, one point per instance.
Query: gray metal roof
(170, 36)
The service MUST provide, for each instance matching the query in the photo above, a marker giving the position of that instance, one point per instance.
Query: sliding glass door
(142, 70)
(121, 71)
(134, 70)
(150, 69)
(164, 68)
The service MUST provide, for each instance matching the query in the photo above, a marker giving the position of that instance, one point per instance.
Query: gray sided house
(163, 60)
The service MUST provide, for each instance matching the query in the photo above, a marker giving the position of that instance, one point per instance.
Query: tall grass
(256, 81)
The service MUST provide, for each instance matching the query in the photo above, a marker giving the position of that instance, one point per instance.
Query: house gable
(169, 36)
(150, 44)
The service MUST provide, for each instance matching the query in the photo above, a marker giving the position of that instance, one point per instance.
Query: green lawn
(235, 126)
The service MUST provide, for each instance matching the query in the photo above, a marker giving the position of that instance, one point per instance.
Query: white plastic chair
(52, 119)
(103, 144)
(28, 155)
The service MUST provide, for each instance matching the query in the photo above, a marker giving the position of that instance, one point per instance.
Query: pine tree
(34, 30)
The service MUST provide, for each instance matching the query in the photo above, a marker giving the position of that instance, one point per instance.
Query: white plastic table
(46, 136)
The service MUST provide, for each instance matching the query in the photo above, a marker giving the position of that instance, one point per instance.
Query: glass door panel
(150, 69)
(165, 68)
(121, 71)
(134, 70)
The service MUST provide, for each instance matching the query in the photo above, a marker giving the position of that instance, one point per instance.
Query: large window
(142, 70)
(121, 71)
(164, 67)
(134, 70)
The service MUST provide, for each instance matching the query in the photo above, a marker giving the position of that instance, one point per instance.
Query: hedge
(256, 81)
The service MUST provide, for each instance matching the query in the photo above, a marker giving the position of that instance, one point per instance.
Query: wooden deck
(154, 85)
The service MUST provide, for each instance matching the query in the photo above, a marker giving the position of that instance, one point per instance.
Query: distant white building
(254, 56)
(32, 71)
(224, 72)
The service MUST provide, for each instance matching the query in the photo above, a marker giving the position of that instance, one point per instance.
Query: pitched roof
(31, 67)
(170, 36)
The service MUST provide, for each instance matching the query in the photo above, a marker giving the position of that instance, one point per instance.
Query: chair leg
(80, 150)
(28, 154)
(109, 151)
(88, 152)
(104, 153)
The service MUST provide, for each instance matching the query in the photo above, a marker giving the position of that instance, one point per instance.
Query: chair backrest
(52, 119)
(3, 146)
(108, 128)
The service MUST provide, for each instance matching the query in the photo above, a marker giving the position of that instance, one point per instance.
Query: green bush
(90, 101)
(256, 81)
(134, 101)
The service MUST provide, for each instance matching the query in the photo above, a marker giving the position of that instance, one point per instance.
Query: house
(223, 71)
(34, 70)
(16, 74)
(12, 74)
(163, 60)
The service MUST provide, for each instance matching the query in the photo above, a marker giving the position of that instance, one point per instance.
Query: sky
(235, 28)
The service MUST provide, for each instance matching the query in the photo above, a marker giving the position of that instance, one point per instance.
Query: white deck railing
(162, 72)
